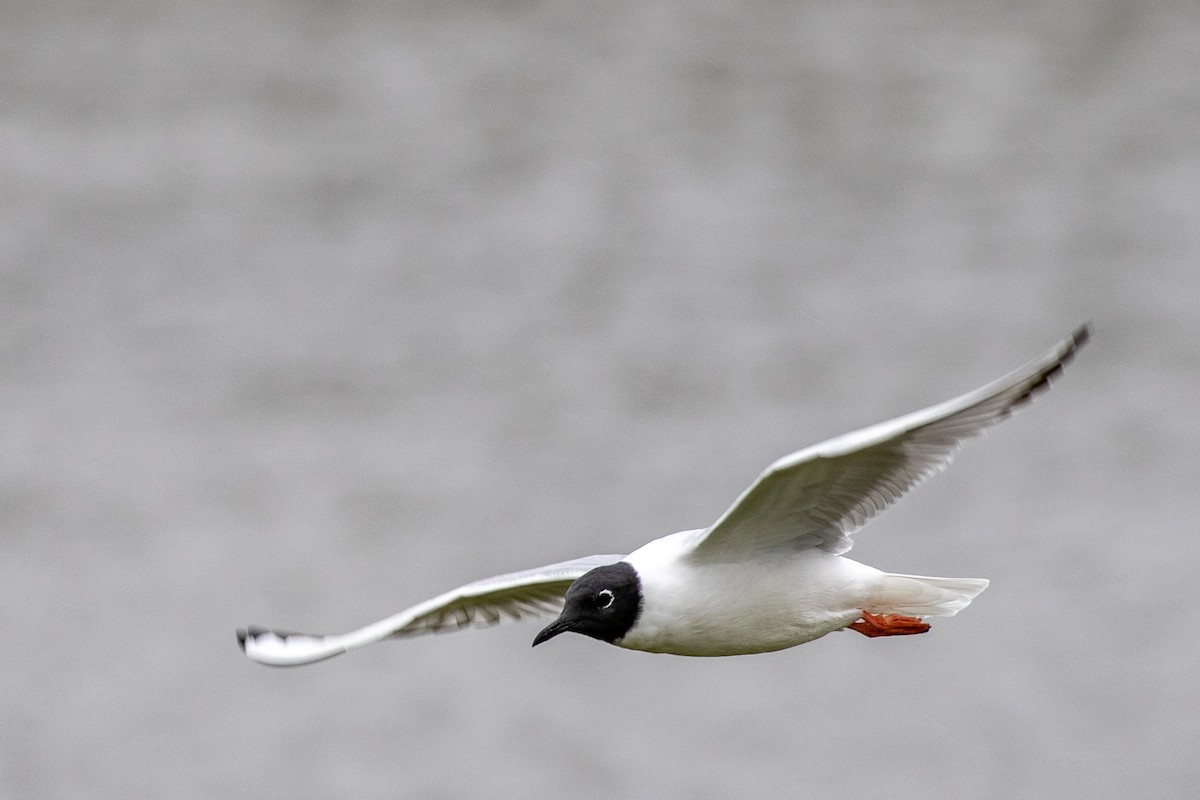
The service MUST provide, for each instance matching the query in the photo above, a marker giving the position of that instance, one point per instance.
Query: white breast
(754, 606)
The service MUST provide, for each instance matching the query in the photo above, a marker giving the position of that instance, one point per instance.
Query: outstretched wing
(818, 496)
(515, 595)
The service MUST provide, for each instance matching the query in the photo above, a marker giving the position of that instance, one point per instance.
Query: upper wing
(818, 496)
(530, 592)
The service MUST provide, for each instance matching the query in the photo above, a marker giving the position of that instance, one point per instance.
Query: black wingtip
(245, 633)
(1081, 335)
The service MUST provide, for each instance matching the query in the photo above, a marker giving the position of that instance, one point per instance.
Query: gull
(769, 574)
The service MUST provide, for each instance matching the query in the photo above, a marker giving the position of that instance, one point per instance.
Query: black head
(602, 604)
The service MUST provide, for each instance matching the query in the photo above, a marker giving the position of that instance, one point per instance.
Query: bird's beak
(559, 625)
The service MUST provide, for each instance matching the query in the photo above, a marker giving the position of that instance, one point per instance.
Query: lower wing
(514, 595)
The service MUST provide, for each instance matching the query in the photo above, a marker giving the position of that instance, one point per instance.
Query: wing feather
(818, 496)
(512, 596)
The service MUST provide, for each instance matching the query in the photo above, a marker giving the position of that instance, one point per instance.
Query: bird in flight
(769, 574)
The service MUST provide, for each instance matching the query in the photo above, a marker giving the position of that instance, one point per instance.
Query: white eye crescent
(606, 593)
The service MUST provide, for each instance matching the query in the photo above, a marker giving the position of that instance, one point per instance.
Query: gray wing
(818, 496)
(515, 595)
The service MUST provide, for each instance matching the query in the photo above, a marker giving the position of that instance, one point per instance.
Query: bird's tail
(921, 596)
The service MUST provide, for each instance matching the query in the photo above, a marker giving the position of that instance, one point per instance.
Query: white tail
(921, 596)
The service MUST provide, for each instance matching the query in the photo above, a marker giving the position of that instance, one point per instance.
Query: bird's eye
(604, 598)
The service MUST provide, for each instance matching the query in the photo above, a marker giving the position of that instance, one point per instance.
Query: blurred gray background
(312, 310)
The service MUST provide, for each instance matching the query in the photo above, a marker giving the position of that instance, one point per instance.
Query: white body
(701, 608)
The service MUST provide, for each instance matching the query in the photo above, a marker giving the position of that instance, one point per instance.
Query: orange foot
(888, 625)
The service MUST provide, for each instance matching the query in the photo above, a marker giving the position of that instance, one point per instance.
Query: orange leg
(888, 625)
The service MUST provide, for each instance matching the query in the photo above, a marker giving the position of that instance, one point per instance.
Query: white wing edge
(1056, 358)
(278, 648)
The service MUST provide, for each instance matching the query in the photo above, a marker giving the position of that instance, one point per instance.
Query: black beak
(559, 625)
